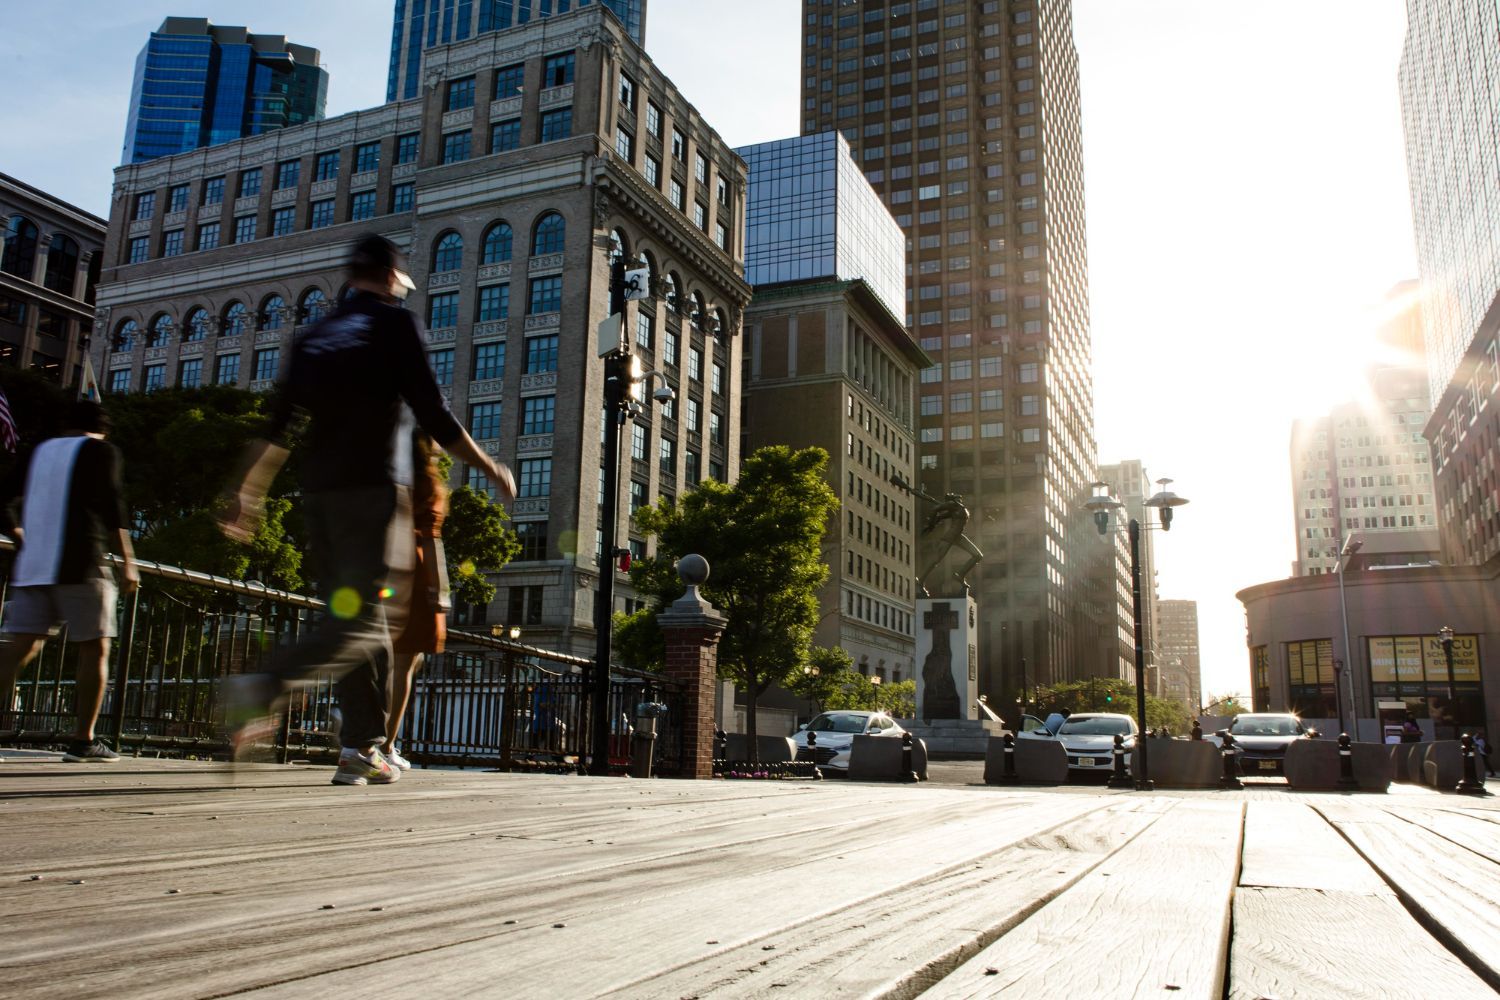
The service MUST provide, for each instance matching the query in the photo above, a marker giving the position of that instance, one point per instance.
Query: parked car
(1262, 739)
(835, 735)
(1089, 738)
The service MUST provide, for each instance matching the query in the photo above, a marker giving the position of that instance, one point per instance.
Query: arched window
(448, 254)
(498, 243)
(719, 326)
(236, 320)
(548, 235)
(19, 257)
(672, 290)
(649, 262)
(272, 312)
(697, 311)
(195, 328)
(62, 264)
(161, 331)
(313, 305)
(125, 335)
(619, 243)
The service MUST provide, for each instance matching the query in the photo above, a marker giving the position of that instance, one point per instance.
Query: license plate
(1268, 765)
(1085, 762)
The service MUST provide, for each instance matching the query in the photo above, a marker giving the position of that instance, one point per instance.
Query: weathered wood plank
(1467, 831)
(1152, 921)
(1288, 844)
(1291, 943)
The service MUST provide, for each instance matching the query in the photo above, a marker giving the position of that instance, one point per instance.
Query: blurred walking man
(350, 374)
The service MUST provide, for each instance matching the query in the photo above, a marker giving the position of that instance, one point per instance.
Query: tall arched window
(236, 320)
(719, 326)
(125, 335)
(697, 310)
(448, 255)
(672, 290)
(272, 312)
(19, 257)
(619, 243)
(548, 235)
(313, 306)
(161, 331)
(498, 243)
(62, 264)
(195, 327)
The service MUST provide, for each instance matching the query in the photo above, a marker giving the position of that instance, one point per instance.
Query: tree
(761, 538)
(1110, 694)
(475, 542)
(1229, 705)
(832, 685)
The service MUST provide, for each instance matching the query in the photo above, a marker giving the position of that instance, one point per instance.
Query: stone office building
(529, 154)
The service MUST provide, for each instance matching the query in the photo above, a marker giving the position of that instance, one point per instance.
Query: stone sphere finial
(693, 570)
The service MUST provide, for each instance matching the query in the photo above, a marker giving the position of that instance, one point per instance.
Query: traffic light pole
(616, 405)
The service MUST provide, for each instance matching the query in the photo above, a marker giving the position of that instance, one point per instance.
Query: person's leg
(93, 660)
(16, 653)
(404, 667)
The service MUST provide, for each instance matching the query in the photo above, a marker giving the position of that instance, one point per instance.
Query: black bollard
(1197, 731)
(1119, 779)
(1471, 784)
(1009, 775)
(908, 772)
(1230, 781)
(1346, 765)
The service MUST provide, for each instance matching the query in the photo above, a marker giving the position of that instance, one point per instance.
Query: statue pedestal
(947, 661)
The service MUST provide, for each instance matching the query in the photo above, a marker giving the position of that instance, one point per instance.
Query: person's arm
(130, 577)
(11, 488)
(244, 500)
(116, 518)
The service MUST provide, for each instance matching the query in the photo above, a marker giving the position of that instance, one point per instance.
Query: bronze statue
(943, 532)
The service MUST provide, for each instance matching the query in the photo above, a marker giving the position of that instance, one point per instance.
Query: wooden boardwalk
(177, 879)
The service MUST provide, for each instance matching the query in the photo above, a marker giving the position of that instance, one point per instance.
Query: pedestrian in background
(1410, 731)
(1482, 747)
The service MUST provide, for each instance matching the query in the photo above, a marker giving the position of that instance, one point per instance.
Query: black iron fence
(487, 702)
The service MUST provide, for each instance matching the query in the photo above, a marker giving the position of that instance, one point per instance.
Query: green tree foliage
(1229, 705)
(1106, 694)
(829, 683)
(475, 542)
(761, 538)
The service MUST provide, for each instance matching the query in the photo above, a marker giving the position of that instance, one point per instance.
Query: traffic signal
(1108, 697)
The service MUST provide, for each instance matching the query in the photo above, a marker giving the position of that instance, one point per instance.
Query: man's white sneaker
(394, 756)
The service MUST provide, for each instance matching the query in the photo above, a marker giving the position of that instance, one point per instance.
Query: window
(62, 264)
(549, 235)
(442, 365)
(721, 236)
(272, 311)
(448, 255)
(669, 352)
(283, 221)
(460, 94)
(545, 296)
(508, 81)
(244, 229)
(456, 146)
(320, 214)
(442, 310)
(557, 124)
(692, 466)
(366, 157)
(627, 92)
(361, 206)
(190, 373)
(195, 328)
(407, 147)
(1031, 406)
(288, 174)
(484, 420)
(326, 166)
(236, 320)
(533, 538)
(694, 415)
(403, 197)
(505, 136)
(541, 354)
(643, 321)
(536, 477)
(494, 303)
(715, 427)
(700, 168)
(227, 369)
(651, 168)
(498, 241)
(700, 215)
(625, 145)
(140, 249)
(208, 236)
(537, 414)
(1030, 371)
(213, 191)
(314, 305)
(145, 206)
(177, 198)
(489, 362)
(267, 362)
(153, 377)
(637, 497)
(679, 146)
(119, 380)
(557, 71)
(992, 399)
(674, 194)
(653, 120)
(171, 243)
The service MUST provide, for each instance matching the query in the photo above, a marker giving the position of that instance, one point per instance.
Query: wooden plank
(1467, 830)
(1288, 844)
(1292, 943)
(1152, 921)
(1454, 892)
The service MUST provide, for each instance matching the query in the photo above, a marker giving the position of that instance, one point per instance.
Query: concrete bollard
(1471, 784)
(1346, 765)
(1119, 779)
(1231, 779)
(908, 771)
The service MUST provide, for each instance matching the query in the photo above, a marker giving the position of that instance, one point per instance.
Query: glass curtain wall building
(812, 214)
(421, 24)
(965, 118)
(198, 84)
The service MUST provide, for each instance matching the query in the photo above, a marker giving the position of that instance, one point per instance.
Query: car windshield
(838, 722)
(1264, 725)
(1095, 726)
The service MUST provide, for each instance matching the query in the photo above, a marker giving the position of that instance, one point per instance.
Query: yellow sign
(1465, 659)
(1411, 658)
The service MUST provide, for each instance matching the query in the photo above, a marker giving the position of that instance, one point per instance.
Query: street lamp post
(1445, 635)
(1102, 505)
(1350, 546)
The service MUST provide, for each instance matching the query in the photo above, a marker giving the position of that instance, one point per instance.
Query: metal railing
(184, 630)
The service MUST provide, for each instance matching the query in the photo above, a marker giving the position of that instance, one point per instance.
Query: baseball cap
(376, 253)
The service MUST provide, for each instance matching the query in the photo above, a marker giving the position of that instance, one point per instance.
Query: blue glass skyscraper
(197, 84)
(420, 24)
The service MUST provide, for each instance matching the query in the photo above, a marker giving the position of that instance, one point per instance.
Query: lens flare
(466, 568)
(386, 593)
(344, 603)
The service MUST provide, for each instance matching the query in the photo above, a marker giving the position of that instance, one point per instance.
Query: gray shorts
(87, 608)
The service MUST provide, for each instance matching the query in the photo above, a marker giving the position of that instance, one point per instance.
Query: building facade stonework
(530, 156)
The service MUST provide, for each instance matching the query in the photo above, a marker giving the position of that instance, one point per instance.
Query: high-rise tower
(965, 117)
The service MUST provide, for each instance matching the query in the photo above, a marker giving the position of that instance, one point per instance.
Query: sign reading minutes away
(1408, 659)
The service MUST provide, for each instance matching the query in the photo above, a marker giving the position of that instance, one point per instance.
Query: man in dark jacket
(72, 512)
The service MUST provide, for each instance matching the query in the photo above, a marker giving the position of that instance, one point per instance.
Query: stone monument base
(954, 739)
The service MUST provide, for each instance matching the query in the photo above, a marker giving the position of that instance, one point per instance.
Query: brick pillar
(691, 627)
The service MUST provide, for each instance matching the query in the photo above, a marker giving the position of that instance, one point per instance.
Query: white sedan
(835, 732)
(1089, 739)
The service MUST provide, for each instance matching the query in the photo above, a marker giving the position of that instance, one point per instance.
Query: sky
(1246, 200)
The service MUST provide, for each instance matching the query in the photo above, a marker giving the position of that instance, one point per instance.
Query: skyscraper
(1177, 643)
(198, 84)
(421, 24)
(965, 118)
